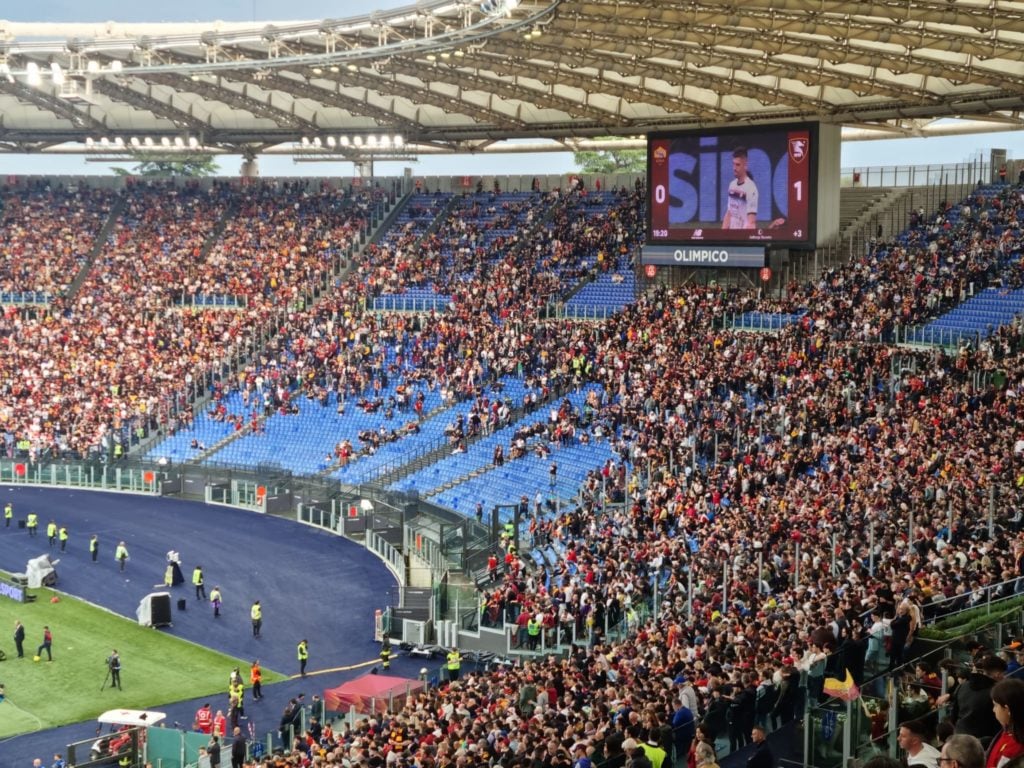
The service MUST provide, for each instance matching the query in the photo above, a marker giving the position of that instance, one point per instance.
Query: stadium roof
(452, 75)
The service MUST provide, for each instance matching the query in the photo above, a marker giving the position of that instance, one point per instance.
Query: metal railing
(581, 311)
(971, 172)
(19, 298)
(410, 304)
(212, 300)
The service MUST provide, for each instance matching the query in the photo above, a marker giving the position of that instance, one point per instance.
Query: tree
(609, 161)
(166, 166)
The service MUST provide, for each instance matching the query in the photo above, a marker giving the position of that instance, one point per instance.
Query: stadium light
(358, 141)
(179, 142)
(116, 66)
(56, 74)
(193, 142)
(89, 142)
(344, 141)
(5, 71)
(399, 141)
(134, 141)
(92, 67)
(32, 75)
(331, 141)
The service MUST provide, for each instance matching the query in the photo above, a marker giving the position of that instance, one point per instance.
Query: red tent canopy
(370, 693)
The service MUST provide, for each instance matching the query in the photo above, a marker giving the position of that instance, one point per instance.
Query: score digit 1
(798, 188)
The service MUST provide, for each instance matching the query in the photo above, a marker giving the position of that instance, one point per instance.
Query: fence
(974, 172)
(410, 304)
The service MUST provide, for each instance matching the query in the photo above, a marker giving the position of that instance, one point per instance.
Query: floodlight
(56, 74)
(193, 142)
(32, 73)
(165, 141)
(134, 141)
(344, 141)
(358, 141)
(399, 141)
(116, 66)
(179, 142)
(89, 142)
(331, 142)
(92, 67)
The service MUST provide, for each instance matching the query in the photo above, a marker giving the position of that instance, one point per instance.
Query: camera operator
(114, 665)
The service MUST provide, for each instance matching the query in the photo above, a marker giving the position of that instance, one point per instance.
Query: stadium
(717, 462)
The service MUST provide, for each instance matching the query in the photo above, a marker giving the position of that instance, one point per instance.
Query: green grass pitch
(157, 668)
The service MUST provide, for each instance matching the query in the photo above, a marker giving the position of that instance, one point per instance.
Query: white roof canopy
(453, 75)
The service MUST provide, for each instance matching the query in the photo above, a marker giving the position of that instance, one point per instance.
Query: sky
(860, 154)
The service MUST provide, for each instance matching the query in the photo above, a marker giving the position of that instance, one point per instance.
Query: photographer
(114, 666)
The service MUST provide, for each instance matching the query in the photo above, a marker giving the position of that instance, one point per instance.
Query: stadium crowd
(822, 495)
(130, 346)
(777, 497)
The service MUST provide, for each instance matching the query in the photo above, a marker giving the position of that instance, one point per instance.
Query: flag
(846, 689)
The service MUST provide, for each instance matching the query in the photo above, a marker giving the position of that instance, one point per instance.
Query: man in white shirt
(919, 752)
(741, 207)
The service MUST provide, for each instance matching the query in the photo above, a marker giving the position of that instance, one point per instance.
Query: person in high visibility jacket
(256, 680)
(199, 583)
(256, 613)
(302, 652)
(385, 652)
(454, 664)
(533, 632)
(62, 536)
(8, 514)
(94, 547)
(32, 523)
(121, 554)
(51, 533)
(236, 693)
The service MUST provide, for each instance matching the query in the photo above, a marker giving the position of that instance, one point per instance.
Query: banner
(718, 256)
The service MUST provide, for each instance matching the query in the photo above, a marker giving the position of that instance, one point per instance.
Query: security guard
(303, 655)
(236, 692)
(256, 613)
(51, 533)
(121, 554)
(32, 523)
(8, 514)
(199, 583)
(454, 664)
(63, 536)
(510, 531)
(533, 632)
(385, 652)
